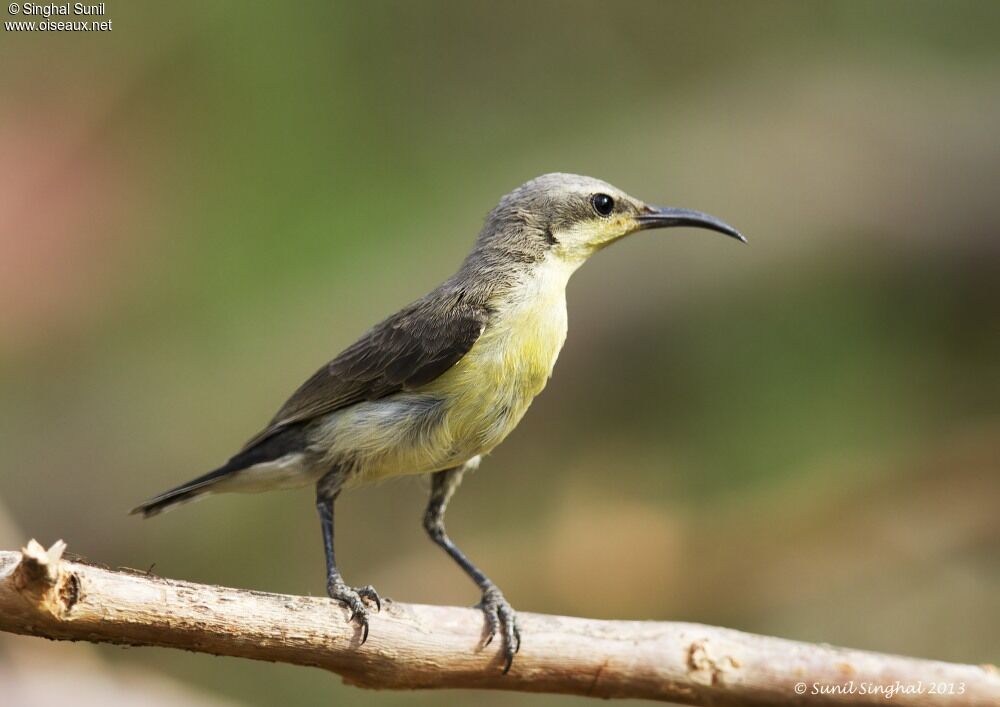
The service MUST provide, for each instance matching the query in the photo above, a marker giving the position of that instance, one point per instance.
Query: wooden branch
(415, 646)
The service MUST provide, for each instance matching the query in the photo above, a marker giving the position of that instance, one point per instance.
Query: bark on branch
(415, 646)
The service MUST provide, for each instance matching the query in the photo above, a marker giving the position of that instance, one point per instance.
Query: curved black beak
(667, 217)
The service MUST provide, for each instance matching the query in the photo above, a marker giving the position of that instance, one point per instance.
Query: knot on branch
(704, 668)
(39, 578)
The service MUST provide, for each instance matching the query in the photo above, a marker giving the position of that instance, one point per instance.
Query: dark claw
(500, 616)
(492, 623)
(364, 630)
(352, 599)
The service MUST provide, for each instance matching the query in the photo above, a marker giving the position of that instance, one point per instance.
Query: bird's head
(571, 217)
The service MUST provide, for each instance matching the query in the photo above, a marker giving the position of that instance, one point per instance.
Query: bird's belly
(419, 433)
(485, 412)
(373, 440)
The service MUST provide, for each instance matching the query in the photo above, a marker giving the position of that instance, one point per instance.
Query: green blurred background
(800, 437)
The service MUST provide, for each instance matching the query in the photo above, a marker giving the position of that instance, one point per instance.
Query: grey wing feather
(407, 350)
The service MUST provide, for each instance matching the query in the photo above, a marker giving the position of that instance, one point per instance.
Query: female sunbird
(439, 384)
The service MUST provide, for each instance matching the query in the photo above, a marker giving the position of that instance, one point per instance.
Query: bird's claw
(353, 599)
(500, 618)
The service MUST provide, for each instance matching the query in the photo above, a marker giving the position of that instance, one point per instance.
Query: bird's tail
(185, 492)
(279, 442)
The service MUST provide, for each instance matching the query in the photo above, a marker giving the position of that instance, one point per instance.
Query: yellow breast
(491, 387)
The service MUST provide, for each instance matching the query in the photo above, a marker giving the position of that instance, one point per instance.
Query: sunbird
(439, 384)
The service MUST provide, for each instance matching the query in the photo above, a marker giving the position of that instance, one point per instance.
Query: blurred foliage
(800, 437)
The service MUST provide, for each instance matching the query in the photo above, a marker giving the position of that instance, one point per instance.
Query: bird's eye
(602, 203)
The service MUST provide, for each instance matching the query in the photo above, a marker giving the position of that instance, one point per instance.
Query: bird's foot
(500, 618)
(353, 598)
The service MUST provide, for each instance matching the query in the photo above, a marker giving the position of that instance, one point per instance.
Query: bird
(438, 385)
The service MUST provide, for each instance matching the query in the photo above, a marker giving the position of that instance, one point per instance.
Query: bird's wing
(407, 350)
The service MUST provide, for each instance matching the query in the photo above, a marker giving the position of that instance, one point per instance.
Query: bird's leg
(350, 597)
(499, 614)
